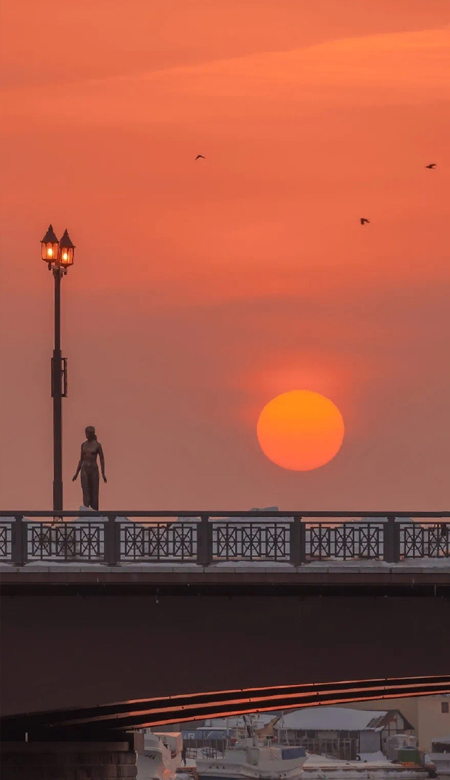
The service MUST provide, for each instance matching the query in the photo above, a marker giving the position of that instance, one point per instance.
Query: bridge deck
(313, 551)
(413, 574)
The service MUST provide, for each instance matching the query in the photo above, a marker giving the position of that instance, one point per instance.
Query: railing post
(112, 542)
(297, 546)
(19, 542)
(204, 541)
(391, 540)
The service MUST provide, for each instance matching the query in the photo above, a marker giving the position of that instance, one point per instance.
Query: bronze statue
(89, 469)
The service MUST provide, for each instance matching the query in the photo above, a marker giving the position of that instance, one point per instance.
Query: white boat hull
(441, 762)
(235, 765)
(159, 761)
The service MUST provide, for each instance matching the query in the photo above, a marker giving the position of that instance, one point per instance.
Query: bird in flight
(364, 221)
(200, 155)
(431, 166)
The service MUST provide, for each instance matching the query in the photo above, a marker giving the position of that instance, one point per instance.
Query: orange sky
(201, 290)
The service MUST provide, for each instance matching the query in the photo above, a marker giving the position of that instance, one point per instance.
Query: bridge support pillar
(68, 760)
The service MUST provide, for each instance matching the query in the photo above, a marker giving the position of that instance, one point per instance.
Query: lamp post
(59, 257)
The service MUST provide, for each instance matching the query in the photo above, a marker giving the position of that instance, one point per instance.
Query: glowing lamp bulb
(66, 250)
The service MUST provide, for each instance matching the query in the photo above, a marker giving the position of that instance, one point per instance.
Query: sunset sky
(202, 289)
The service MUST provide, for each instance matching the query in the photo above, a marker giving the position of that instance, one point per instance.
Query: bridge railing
(213, 538)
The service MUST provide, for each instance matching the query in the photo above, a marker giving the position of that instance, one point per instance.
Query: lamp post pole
(57, 393)
(59, 257)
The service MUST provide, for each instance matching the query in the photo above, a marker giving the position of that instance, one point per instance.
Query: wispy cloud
(409, 67)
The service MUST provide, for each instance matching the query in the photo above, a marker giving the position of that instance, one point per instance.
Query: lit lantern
(66, 251)
(50, 247)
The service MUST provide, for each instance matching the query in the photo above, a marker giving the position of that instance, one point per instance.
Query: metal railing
(207, 538)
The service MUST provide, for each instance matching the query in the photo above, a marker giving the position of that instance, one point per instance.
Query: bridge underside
(95, 722)
(74, 645)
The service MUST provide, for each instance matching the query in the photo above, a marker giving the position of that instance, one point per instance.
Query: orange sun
(300, 430)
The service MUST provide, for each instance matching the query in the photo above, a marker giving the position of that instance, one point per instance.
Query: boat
(259, 762)
(250, 758)
(440, 755)
(161, 756)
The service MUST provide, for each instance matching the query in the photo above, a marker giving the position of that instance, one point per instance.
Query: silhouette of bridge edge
(146, 713)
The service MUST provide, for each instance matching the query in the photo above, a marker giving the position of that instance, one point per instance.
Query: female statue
(89, 469)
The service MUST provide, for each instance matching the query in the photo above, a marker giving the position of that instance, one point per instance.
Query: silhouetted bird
(198, 157)
(431, 166)
(364, 221)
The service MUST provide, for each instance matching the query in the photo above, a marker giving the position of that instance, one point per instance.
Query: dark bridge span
(88, 647)
(345, 602)
(134, 714)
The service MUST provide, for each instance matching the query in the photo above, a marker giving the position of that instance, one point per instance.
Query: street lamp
(59, 257)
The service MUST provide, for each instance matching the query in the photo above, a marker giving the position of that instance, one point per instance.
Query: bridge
(124, 619)
(207, 538)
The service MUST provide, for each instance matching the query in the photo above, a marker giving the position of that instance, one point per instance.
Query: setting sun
(300, 430)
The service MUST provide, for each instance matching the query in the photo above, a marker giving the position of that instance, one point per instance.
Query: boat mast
(250, 730)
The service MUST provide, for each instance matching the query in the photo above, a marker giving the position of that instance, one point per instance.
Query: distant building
(339, 731)
(429, 715)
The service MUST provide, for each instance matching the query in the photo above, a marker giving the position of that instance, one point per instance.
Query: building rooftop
(333, 719)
